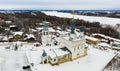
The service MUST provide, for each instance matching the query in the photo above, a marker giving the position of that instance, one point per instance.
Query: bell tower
(72, 28)
(46, 36)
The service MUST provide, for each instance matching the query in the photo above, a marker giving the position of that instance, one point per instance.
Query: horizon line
(59, 9)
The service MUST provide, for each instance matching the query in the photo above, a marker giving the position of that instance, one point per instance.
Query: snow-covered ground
(12, 60)
(102, 20)
(96, 60)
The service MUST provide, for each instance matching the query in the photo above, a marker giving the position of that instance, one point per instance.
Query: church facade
(71, 45)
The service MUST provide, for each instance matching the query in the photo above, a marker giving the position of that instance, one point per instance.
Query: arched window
(46, 33)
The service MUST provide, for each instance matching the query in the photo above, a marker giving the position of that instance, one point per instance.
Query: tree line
(26, 20)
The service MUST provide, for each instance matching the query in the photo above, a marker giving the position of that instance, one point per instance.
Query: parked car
(26, 67)
(8, 47)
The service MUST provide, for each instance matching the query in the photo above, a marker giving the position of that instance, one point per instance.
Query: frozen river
(102, 20)
(12, 60)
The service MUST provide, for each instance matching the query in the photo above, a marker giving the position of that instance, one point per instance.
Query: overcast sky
(60, 4)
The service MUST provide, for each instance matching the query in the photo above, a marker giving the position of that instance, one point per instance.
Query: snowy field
(102, 20)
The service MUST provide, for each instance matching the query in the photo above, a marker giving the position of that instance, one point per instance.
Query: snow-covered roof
(50, 52)
(104, 45)
(1, 37)
(60, 32)
(32, 13)
(91, 38)
(10, 36)
(58, 28)
(12, 25)
(75, 38)
(60, 52)
(45, 22)
(107, 37)
(18, 33)
(5, 38)
(40, 23)
(33, 30)
(77, 33)
(39, 28)
(51, 29)
(117, 43)
(8, 21)
(30, 36)
(68, 30)
(54, 52)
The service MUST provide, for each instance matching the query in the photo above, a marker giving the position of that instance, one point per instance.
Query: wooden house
(17, 36)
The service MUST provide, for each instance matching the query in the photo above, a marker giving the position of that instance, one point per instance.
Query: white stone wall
(46, 38)
(76, 47)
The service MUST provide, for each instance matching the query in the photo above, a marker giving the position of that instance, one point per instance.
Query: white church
(70, 46)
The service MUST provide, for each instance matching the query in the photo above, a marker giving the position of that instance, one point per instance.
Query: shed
(91, 40)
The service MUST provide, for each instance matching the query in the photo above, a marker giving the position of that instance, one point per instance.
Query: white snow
(91, 38)
(1, 59)
(12, 60)
(29, 36)
(39, 28)
(18, 33)
(60, 32)
(33, 30)
(104, 45)
(5, 38)
(8, 21)
(12, 25)
(106, 37)
(50, 53)
(102, 20)
(58, 28)
(54, 52)
(51, 29)
(34, 56)
(96, 60)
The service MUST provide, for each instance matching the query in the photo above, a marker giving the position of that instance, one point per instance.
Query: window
(47, 44)
(46, 33)
(54, 60)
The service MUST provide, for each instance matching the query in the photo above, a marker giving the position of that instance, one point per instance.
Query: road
(13, 61)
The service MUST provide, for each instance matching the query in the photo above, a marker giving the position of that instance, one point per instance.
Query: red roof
(2, 19)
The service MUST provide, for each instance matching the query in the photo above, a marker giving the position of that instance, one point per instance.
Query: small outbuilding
(91, 40)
